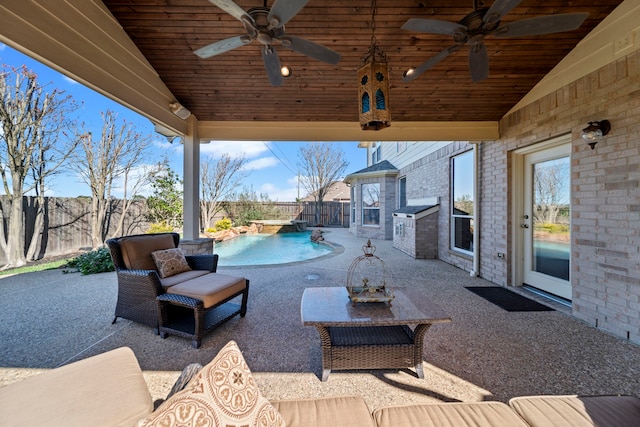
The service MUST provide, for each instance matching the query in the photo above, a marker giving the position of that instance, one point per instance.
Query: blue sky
(272, 166)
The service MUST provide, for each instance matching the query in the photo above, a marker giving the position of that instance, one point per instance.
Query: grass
(35, 267)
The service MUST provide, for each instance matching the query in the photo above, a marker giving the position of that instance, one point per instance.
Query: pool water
(265, 249)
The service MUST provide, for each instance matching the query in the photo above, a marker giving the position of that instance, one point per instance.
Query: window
(353, 205)
(375, 155)
(371, 204)
(462, 202)
(402, 191)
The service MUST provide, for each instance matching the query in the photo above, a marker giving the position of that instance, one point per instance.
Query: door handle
(524, 225)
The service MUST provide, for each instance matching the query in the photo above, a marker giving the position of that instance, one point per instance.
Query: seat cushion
(136, 250)
(223, 393)
(578, 411)
(454, 414)
(211, 288)
(103, 390)
(182, 277)
(345, 411)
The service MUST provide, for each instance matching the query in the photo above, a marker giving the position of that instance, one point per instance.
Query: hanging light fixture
(373, 84)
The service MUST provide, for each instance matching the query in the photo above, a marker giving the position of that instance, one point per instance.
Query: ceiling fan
(267, 26)
(482, 22)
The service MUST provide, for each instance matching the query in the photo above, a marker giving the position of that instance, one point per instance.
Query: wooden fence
(67, 221)
(332, 214)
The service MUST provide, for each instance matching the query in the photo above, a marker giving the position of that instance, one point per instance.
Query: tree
(550, 184)
(322, 164)
(32, 149)
(247, 206)
(218, 180)
(165, 204)
(106, 162)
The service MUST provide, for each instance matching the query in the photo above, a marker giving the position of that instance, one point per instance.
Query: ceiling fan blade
(478, 62)
(272, 65)
(222, 46)
(283, 10)
(430, 63)
(230, 7)
(498, 9)
(311, 49)
(542, 25)
(433, 26)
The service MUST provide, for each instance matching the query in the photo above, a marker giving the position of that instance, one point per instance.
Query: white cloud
(2, 46)
(249, 149)
(261, 163)
(134, 175)
(278, 194)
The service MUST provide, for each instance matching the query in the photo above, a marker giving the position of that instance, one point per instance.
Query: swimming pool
(265, 249)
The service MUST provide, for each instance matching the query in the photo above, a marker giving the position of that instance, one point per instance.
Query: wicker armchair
(145, 298)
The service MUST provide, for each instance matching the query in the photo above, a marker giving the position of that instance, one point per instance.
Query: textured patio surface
(50, 318)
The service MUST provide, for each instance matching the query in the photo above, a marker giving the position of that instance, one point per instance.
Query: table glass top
(331, 306)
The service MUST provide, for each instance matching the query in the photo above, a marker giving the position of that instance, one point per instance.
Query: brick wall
(605, 227)
(429, 177)
(417, 237)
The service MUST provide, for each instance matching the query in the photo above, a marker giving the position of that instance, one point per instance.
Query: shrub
(97, 261)
(211, 230)
(159, 227)
(223, 224)
(553, 228)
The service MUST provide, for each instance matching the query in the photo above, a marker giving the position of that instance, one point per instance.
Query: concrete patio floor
(50, 318)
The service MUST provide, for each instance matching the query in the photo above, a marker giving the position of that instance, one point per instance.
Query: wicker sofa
(187, 298)
(110, 390)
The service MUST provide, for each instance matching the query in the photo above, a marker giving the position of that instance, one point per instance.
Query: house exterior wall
(605, 192)
(384, 230)
(428, 176)
(417, 238)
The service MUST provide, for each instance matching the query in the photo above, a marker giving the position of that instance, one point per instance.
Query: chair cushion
(211, 288)
(170, 262)
(107, 389)
(223, 393)
(136, 250)
(578, 411)
(454, 414)
(343, 411)
(182, 277)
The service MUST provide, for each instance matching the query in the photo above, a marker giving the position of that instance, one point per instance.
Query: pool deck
(51, 318)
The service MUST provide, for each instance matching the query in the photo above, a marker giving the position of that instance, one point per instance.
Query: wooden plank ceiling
(234, 85)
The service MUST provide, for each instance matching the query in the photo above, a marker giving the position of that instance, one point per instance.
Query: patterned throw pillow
(223, 393)
(170, 262)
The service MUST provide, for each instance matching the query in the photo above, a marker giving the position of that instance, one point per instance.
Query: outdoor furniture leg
(418, 343)
(325, 339)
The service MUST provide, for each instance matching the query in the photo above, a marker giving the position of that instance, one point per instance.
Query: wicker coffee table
(369, 335)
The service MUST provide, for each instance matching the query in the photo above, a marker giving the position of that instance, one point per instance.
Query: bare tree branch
(218, 181)
(104, 161)
(322, 164)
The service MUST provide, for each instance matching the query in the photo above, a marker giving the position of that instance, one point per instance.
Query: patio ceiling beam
(347, 131)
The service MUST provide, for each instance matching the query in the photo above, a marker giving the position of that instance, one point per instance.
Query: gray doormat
(507, 300)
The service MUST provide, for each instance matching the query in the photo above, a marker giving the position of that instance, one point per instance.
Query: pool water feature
(266, 249)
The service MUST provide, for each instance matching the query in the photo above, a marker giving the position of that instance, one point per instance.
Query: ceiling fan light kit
(373, 85)
(266, 25)
(473, 28)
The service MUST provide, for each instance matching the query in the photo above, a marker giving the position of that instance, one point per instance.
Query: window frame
(455, 218)
(367, 211)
